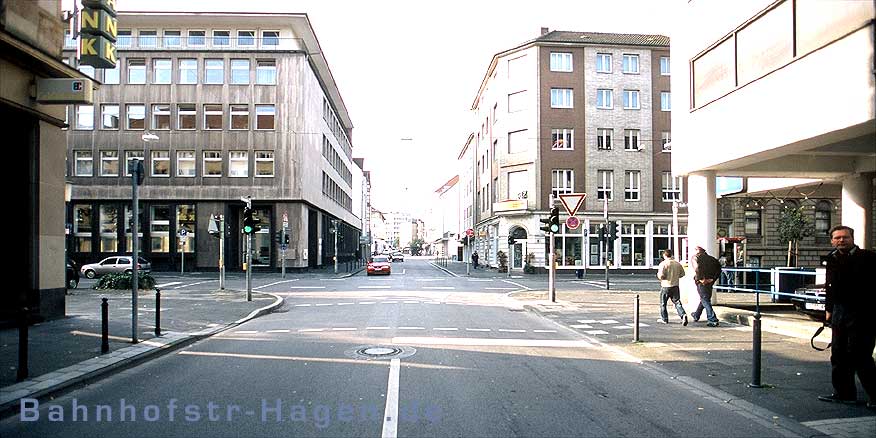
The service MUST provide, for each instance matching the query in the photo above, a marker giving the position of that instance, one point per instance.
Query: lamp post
(136, 170)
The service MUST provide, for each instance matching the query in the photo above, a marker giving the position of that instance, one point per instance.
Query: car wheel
(72, 283)
(89, 274)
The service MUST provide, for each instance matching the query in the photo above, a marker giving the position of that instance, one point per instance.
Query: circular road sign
(469, 232)
(573, 222)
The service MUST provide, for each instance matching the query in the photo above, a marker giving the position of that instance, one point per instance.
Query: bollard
(157, 312)
(104, 326)
(636, 320)
(755, 352)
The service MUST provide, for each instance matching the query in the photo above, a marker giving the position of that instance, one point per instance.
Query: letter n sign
(97, 33)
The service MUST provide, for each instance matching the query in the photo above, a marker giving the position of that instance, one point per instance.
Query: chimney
(544, 31)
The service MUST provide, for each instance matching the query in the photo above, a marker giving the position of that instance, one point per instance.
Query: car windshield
(379, 259)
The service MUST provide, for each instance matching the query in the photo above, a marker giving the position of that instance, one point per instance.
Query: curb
(96, 367)
(444, 269)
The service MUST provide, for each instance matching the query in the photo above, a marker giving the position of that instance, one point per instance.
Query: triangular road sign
(572, 202)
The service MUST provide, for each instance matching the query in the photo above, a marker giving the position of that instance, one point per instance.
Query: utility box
(64, 91)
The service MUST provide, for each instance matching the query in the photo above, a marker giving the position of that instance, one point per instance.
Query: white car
(114, 264)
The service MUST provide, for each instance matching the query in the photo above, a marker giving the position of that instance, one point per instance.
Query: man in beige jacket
(668, 273)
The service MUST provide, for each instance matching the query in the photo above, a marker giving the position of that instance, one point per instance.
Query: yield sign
(572, 202)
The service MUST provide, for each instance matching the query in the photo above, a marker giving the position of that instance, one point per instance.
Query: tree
(793, 227)
(417, 246)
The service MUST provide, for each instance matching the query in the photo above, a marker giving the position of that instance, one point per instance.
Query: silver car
(113, 264)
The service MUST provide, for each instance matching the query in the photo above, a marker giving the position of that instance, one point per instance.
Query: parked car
(398, 256)
(379, 264)
(114, 264)
(809, 299)
(72, 275)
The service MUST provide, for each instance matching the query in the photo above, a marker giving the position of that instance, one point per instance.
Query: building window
(561, 62)
(240, 71)
(136, 71)
(270, 38)
(212, 163)
(82, 227)
(664, 65)
(665, 101)
(603, 138)
(517, 101)
(130, 156)
(84, 163)
(238, 164)
(266, 72)
(265, 116)
(188, 71)
(633, 180)
(562, 182)
(136, 116)
(187, 115)
(162, 71)
(172, 38)
(213, 116)
(111, 76)
(239, 117)
(671, 187)
(603, 99)
(124, 38)
(631, 63)
(631, 139)
(214, 71)
(109, 163)
(264, 164)
(517, 141)
(823, 211)
(148, 38)
(159, 228)
(197, 38)
(185, 164)
(221, 38)
(161, 117)
(109, 116)
(562, 139)
(561, 98)
(752, 223)
(161, 163)
(603, 63)
(84, 116)
(631, 99)
(109, 228)
(245, 38)
(604, 184)
(666, 140)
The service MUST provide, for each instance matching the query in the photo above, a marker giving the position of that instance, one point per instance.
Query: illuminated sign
(97, 33)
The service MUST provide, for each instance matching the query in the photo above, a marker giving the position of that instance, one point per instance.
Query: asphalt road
(417, 353)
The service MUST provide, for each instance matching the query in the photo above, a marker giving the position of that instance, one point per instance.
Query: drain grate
(380, 352)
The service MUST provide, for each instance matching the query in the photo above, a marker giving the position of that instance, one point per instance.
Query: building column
(857, 212)
(702, 228)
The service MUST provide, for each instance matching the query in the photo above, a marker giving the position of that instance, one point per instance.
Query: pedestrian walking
(474, 259)
(849, 305)
(706, 271)
(668, 273)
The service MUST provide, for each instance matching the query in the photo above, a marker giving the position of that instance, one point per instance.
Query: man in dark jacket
(707, 269)
(849, 306)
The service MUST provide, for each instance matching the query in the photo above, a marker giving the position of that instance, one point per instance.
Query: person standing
(707, 269)
(848, 305)
(668, 273)
(474, 259)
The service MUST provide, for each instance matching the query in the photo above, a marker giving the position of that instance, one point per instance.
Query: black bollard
(22, 372)
(157, 312)
(104, 326)
(636, 320)
(755, 353)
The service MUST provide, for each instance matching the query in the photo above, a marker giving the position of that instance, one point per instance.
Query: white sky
(411, 69)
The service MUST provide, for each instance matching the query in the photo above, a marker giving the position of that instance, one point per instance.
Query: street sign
(469, 232)
(573, 222)
(285, 220)
(182, 232)
(572, 202)
(284, 247)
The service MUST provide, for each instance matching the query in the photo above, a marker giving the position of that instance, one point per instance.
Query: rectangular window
(561, 98)
(518, 141)
(240, 71)
(136, 116)
(148, 38)
(84, 116)
(633, 180)
(136, 71)
(172, 38)
(665, 101)
(214, 71)
(664, 65)
(604, 184)
(266, 72)
(159, 228)
(562, 139)
(561, 62)
(666, 141)
(109, 228)
(752, 223)
(109, 116)
(130, 156)
(212, 163)
(238, 164)
(188, 71)
(187, 116)
(518, 185)
(213, 116)
(631, 99)
(221, 38)
(604, 99)
(124, 38)
(603, 63)
(111, 76)
(162, 71)
(603, 138)
(562, 182)
(671, 187)
(197, 38)
(239, 117)
(84, 163)
(161, 117)
(264, 164)
(245, 38)
(265, 116)
(161, 163)
(270, 38)
(185, 164)
(517, 101)
(109, 163)
(631, 63)
(631, 139)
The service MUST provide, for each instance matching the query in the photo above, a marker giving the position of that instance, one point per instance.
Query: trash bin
(788, 279)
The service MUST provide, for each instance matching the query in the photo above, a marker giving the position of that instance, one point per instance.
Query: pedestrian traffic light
(248, 221)
(602, 233)
(612, 231)
(555, 220)
(285, 239)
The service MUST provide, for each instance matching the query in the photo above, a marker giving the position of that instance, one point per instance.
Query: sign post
(182, 250)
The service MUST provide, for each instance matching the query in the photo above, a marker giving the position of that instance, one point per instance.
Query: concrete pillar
(702, 228)
(857, 213)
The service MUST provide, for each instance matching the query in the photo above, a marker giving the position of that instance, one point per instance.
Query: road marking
(596, 332)
(332, 279)
(368, 302)
(302, 305)
(516, 284)
(587, 321)
(512, 331)
(404, 271)
(376, 328)
(246, 332)
(439, 287)
(168, 284)
(344, 329)
(412, 328)
(375, 287)
(275, 283)
(412, 302)
(476, 330)
(389, 302)
(310, 330)
(324, 304)
(390, 420)
(345, 304)
(581, 326)
(480, 279)
(430, 279)
(195, 284)
(308, 287)
(608, 321)
(277, 331)
(446, 329)
(500, 288)
(544, 331)
(492, 342)
(622, 327)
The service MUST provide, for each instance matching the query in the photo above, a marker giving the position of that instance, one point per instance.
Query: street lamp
(135, 235)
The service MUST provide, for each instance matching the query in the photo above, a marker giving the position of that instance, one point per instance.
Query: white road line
(246, 332)
(404, 271)
(430, 279)
(367, 302)
(390, 415)
(446, 329)
(302, 305)
(412, 328)
(622, 327)
(581, 326)
(439, 287)
(345, 304)
(275, 283)
(586, 321)
(324, 304)
(344, 329)
(195, 284)
(332, 279)
(308, 287)
(476, 330)
(277, 331)
(375, 287)
(168, 284)
(608, 321)
(492, 342)
(512, 331)
(480, 279)
(310, 330)
(389, 302)
(516, 284)
(412, 302)
(544, 331)
(500, 288)
(596, 332)
(376, 328)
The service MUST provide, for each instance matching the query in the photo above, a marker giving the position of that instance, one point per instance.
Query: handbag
(818, 332)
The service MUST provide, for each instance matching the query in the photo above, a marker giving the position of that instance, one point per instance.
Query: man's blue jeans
(670, 293)
(705, 293)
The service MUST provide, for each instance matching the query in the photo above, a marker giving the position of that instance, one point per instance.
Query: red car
(379, 264)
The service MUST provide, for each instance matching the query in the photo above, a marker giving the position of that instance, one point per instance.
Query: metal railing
(198, 43)
(776, 282)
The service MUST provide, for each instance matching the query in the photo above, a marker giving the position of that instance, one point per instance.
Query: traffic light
(555, 220)
(285, 239)
(248, 221)
(612, 231)
(602, 233)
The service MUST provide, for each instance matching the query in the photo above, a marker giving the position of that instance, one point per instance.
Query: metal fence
(780, 283)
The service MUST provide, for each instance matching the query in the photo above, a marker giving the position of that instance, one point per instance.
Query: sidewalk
(66, 351)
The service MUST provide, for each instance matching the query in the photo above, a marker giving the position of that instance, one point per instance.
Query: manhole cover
(380, 352)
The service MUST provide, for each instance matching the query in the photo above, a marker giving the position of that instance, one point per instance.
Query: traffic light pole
(222, 252)
(249, 267)
(135, 247)
(552, 284)
(283, 252)
(605, 254)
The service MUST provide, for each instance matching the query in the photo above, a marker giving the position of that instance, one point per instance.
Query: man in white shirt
(668, 273)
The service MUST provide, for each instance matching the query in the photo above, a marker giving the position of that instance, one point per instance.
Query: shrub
(122, 281)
